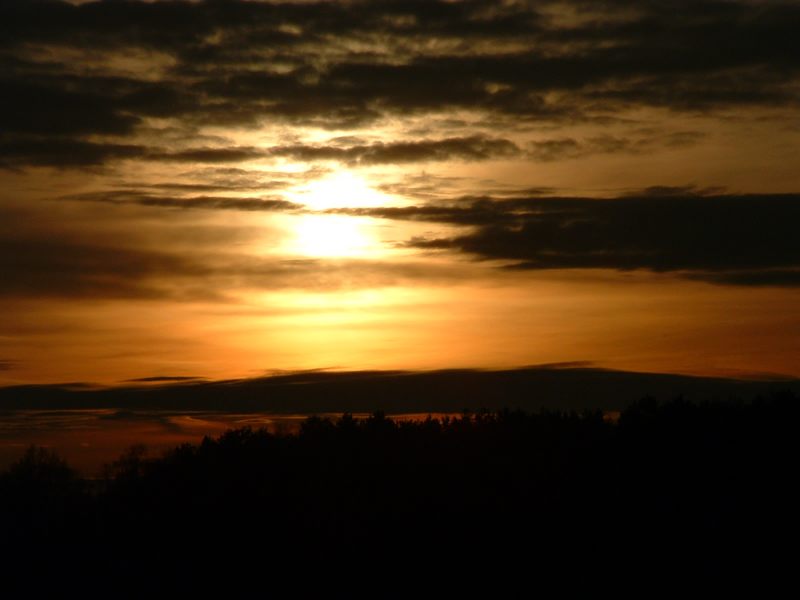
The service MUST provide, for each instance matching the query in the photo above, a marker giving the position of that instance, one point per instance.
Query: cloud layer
(739, 239)
(747, 240)
(80, 81)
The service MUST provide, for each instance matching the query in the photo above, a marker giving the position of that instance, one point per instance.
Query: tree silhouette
(504, 501)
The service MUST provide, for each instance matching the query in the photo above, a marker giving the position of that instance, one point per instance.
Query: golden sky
(229, 189)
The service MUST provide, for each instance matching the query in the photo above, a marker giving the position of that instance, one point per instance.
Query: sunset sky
(228, 189)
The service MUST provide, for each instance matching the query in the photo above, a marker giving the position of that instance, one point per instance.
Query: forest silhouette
(501, 503)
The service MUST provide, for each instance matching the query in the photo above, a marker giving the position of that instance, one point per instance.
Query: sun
(319, 233)
(342, 189)
(332, 236)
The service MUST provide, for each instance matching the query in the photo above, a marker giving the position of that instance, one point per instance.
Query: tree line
(504, 501)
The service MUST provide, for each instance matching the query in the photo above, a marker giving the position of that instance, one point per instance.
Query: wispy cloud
(188, 202)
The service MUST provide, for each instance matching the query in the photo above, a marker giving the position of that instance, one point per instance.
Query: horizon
(90, 426)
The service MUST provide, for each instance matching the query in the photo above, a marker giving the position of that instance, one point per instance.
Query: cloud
(750, 277)
(696, 233)
(565, 147)
(734, 239)
(75, 72)
(68, 268)
(470, 148)
(163, 379)
(33, 103)
(561, 386)
(63, 153)
(90, 84)
(190, 202)
(209, 155)
(464, 211)
(46, 258)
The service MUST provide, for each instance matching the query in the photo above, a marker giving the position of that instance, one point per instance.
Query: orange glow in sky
(377, 188)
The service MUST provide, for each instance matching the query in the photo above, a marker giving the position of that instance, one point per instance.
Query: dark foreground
(503, 504)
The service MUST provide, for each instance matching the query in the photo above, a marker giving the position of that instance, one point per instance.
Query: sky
(228, 189)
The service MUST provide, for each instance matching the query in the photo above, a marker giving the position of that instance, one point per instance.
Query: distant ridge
(563, 387)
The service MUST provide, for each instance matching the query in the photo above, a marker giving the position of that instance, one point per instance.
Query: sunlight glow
(332, 236)
(339, 190)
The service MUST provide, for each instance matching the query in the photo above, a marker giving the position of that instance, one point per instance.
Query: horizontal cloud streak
(63, 153)
(476, 147)
(198, 202)
(552, 386)
(75, 153)
(42, 262)
(700, 234)
(747, 240)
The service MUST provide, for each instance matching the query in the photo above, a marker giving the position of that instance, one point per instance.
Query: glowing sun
(333, 236)
(320, 234)
(339, 190)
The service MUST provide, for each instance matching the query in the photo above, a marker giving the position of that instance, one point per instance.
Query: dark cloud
(347, 64)
(209, 155)
(765, 277)
(62, 153)
(53, 105)
(41, 260)
(476, 147)
(162, 379)
(465, 211)
(555, 149)
(661, 191)
(559, 386)
(746, 240)
(565, 147)
(199, 187)
(52, 268)
(204, 202)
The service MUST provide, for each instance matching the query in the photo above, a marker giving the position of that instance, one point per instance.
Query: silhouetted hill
(555, 387)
